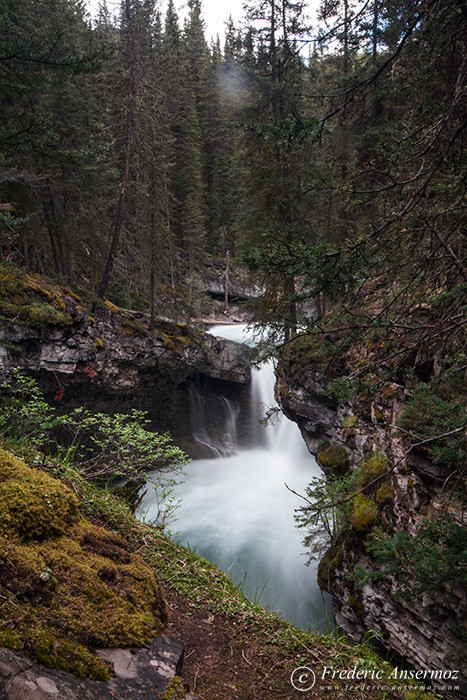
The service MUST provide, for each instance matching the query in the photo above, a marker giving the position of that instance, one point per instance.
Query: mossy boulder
(67, 586)
(33, 504)
(332, 458)
(373, 467)
(364, 514)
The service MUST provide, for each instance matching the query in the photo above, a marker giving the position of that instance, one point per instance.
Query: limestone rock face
(112, 361)
(427, 638)
(115, 347)
(141, 674)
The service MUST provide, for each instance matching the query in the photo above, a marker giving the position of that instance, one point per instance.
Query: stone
(130, 367)
(141, 674)
(425, 639)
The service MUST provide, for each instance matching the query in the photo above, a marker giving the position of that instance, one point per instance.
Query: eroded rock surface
(111, 361)
(425, 636)
(141, 674)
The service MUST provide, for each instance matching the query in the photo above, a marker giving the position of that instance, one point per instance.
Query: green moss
(34, 505)
(384, 494)
(130, 325)
(65, 655)
(364, 513)
(67, 586)
(12, 279)
(332, 458)
(112, 308)
(9, 639)
(350, 421)
(378, 415)
(176, 689)
(357, 606)
(30, 298)
(42, 314)
(328, 565)
(374, 466)
(349, 426)
(169, 342)
(100, 343)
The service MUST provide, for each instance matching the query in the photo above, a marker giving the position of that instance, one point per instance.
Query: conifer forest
(134, 154)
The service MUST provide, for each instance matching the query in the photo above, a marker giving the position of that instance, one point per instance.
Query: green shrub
(25, 416)
(436, 408)
(435, 557)
(100, 446)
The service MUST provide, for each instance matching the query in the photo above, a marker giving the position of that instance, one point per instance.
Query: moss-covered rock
(364, 513)
(31, 299)
(373, 467)
(33, 504)
(328, 565)
(356, 603)
(384, 494)
(332, 458)
(67, 586)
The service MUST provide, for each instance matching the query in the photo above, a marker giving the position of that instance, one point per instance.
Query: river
(235, 508)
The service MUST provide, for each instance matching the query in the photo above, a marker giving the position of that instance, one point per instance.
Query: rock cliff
(427, 634)
(110, 358)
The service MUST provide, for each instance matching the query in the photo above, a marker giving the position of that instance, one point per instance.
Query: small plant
(437, 408)
(25, 416)
(120, 445)
(324, 514)
(100, 446)
(340, 389)
(433, 558)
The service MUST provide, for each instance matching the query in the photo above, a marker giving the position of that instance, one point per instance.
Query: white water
(236, 510)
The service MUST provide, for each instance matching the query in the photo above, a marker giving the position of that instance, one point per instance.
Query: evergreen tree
(273, 216)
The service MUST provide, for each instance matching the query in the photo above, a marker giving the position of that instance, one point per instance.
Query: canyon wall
(425, 633)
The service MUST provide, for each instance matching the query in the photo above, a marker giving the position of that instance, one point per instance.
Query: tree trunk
(151, 272)
(130, 116)
(226, 284)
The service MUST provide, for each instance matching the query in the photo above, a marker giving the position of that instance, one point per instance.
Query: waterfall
(213, 421)
(235, 509)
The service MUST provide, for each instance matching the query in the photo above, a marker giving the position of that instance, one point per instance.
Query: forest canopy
(134, 156)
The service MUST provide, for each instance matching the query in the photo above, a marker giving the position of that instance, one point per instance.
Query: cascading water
(219, 436)
(235, 508)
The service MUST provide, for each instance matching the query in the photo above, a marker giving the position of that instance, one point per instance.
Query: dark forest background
(134, 156)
